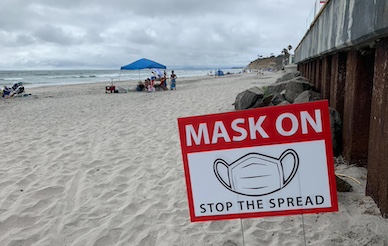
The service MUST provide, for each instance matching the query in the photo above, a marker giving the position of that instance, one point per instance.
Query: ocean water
(37, 78)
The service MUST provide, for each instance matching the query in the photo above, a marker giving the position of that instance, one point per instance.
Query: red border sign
(269, 161)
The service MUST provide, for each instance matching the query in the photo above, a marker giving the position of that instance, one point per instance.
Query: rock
(288, 76)
(276, 88)
(308, 96)
(292, 91)
(277, 99)
(336, 131)
(299, 83)
(295, 87)
(284, 103)
(302, 79)
(258, 104)
(267, 99)
(342, 185)
(249, 98)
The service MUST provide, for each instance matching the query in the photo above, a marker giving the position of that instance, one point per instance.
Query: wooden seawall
(345, 54)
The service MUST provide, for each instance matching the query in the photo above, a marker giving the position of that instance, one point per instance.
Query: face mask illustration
(256, 174)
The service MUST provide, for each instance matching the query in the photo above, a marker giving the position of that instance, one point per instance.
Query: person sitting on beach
(147, 82)
(173, 78)
(140, 86)
(17, 88)
(6, 92)
(149, 85)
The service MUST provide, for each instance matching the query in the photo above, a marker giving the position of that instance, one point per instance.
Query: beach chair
(110, 88)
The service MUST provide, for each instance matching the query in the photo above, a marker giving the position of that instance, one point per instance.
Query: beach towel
(173, 84)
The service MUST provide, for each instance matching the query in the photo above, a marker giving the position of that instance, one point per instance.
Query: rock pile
(291, 88)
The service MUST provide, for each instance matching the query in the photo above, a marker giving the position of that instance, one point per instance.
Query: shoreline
(37, 78)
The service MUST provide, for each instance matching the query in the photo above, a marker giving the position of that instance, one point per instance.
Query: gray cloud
(109, 34)
(56, 35)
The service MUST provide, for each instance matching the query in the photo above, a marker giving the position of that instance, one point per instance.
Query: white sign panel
(263, 162)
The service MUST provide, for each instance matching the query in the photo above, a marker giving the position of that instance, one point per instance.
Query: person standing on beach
(173, 80)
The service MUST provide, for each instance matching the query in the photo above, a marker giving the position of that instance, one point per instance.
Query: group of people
(17, 88)
(149, 84)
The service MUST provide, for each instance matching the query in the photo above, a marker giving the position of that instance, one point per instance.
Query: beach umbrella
(142, 64)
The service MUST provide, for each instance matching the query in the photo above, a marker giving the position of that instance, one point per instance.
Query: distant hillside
(275, 63)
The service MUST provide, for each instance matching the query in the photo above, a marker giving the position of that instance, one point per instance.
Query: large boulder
(335, 120)
(299, 83)
(293, 90)
(288, 76)
(302, 79)
(250, 98)
(276, 88)
(308, 96)
(295, 87)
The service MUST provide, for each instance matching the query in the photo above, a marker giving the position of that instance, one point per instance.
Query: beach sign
(270, 161)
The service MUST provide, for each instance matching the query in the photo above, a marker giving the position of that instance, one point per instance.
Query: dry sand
(81, 167)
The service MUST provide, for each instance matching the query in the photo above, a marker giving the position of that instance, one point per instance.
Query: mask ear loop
(294, 168)
(216, 165)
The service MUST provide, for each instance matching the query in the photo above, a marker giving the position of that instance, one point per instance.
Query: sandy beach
(81, 167)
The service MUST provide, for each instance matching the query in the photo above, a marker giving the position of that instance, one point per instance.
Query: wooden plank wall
(377, 181)
(355, 82)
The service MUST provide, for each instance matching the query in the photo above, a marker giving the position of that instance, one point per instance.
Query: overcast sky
(59, 34)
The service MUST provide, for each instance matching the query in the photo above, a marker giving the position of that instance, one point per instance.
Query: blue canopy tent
(142, 64)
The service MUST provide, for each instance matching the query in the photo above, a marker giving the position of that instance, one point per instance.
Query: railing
(316, 7)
